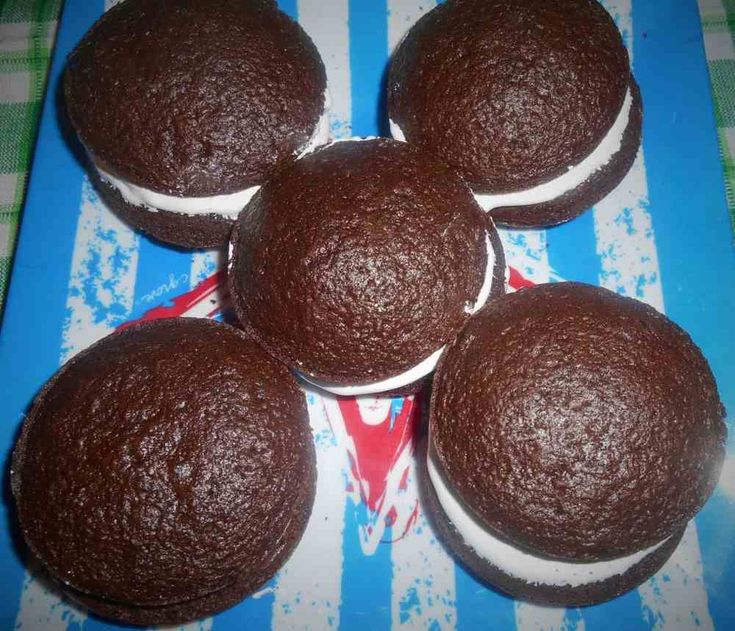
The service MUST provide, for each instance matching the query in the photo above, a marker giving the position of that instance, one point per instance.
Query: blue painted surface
(479, 607)
(366, 595)
(621, 613)
(30, 337)
(696, 259)
(253, 613)
(696, 255)
(290, 8)
(93, 623)
(368, 59)
(572, 252)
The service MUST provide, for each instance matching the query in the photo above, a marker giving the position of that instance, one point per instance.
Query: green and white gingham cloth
(27, 29)
(718, 26)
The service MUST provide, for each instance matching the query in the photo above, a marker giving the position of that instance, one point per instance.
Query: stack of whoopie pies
(168, 471)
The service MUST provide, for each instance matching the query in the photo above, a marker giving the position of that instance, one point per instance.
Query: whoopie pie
(533, 102)
(186, 107)
(573, 434)
(166, 472)
(359, 262)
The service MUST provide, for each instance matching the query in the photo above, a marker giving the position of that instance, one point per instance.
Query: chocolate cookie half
(573, 434)
(186, 107)
(165, 472)
(532, 102)
(357, 264)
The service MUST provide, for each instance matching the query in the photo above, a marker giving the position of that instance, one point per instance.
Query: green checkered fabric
(27, 29)
(718, 26)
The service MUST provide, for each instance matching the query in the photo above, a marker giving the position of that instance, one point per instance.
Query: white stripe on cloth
(14, 37)
(15, 87)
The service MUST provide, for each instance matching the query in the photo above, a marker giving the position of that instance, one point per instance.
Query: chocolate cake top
(194, 98)
(577, 423)
(159, 464)
(509, 92)
(357, 262)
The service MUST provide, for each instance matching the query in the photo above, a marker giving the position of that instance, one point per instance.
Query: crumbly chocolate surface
(356, 262)
(596, 187)
(178, 613)
(165, 463)
(577, 423)
(173, 614)
(194, 98)
(509, 92)
(539, 593)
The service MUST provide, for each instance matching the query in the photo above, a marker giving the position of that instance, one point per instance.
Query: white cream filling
(575, 175)
(511, 560)
(228, 205)
(425, 367)
(396, 131)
